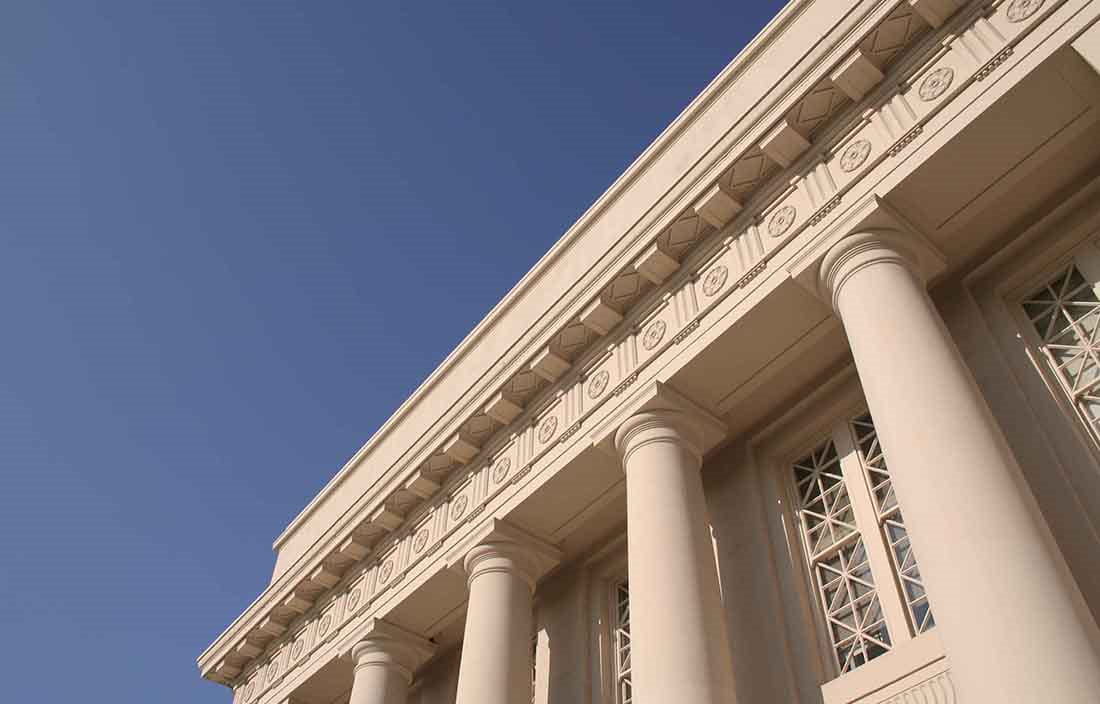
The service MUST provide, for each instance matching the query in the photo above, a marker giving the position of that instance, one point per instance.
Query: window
(863, 570)
(1064, 315)
(534, 664)
(620, 645)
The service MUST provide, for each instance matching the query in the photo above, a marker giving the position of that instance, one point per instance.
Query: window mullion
(878, 554)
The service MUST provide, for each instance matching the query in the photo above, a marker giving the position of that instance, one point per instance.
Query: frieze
(1020, 10)
(547, 428)
(598, 384)
(936, 83)
(715, 279)
(501, 469)
(653, 335)
(421, 540)
(854, 155)
(781, 223)
(781, 220)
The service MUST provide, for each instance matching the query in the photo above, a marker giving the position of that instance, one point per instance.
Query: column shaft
(496, 646)
(679, 646)
(379, 683)
(384, 662)
(1003, 606)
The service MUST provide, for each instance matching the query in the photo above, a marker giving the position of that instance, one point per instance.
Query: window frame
(775, 447)
(891, 599)
(1085, 255)
(605, 568)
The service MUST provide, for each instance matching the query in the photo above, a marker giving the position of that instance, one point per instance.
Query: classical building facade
(806, 408)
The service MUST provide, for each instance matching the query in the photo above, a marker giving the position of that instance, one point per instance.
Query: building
(818, 374)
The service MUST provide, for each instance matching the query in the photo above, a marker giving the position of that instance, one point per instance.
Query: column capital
(862, 249)
(651, 406)
(384, 644)
(659, 425)
(499, 546)
(871, 231)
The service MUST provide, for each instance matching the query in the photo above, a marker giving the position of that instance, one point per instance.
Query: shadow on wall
(755, 616)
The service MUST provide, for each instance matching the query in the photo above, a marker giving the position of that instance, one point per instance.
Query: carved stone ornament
(781, 220)
(353, 599)
(248, 691)
(458, 508)
(547, 429)
(1020, 10)
(272, 670)
(598, 384)
(936, 83)
(501, 469)
(715, 279)
(323, 626)
(654, 334)
(297, 648)
(420, 540)
(386, 572)
(854, 155)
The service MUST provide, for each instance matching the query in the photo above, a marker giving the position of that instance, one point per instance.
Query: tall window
(857, 551)
(620, 599)
(1065, 314)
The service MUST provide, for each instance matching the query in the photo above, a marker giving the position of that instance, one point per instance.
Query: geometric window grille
(534, 663)
(838, 560)
(891, 525)
(1066, 316)
(621, 643)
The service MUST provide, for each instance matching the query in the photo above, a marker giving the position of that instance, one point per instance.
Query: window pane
(838, 560)
(1066, 316)
(892, 525)
(621, 642)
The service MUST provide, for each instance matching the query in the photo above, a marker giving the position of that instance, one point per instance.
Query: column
(496, 646)
(384, 663)
(1005, 609)
(679, 647)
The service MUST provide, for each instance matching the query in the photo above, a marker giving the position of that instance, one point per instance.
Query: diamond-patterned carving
(522, 387)
(814, 110)
(682, 235)
(625, 290)
(748, 173)
(893, 35)
(572, 340)
(479, 428)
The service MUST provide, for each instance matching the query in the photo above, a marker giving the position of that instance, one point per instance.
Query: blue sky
(234, 236)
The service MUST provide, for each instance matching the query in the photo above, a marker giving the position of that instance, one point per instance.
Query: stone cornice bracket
(658, 404)
(870, 232)
(500, 546)
(383, 644)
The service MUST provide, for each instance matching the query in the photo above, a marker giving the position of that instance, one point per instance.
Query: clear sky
(234, 236)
